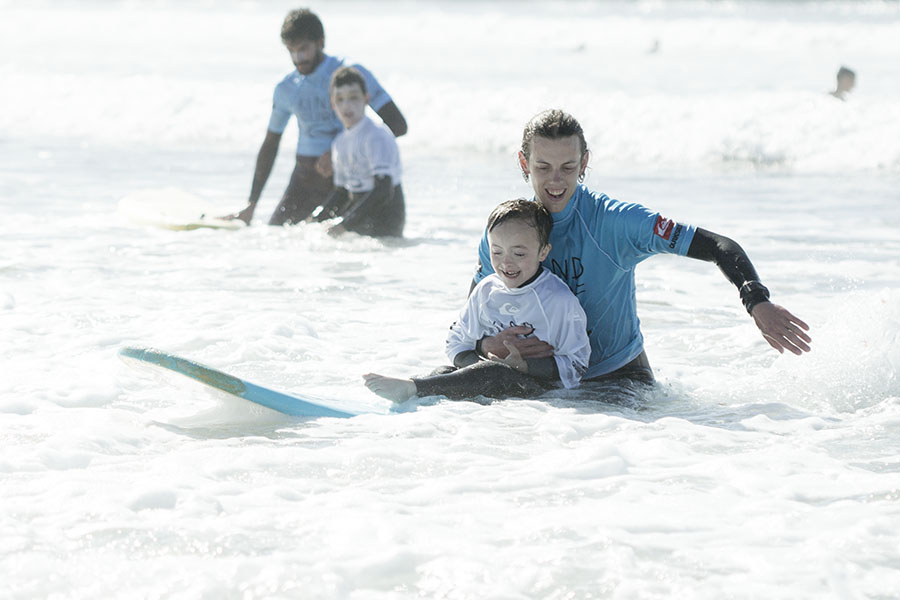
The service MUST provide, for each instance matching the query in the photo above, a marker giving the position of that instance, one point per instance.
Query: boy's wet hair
(552, 124)
(301, 24)
(347, 76)
(531, 212)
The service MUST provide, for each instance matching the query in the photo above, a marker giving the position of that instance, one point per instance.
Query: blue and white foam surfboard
(297, 406)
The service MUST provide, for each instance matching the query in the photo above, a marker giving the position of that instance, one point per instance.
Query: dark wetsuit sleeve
(542, 368)
(333, 205)
(369, 204)
(733, 262)
(464, 359)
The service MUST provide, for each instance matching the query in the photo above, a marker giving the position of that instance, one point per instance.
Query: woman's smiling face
(554, 166)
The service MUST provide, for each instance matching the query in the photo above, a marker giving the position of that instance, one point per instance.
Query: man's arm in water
(264, 161)
(781, 329)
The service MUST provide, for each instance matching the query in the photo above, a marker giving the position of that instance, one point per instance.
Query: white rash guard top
(546, 304)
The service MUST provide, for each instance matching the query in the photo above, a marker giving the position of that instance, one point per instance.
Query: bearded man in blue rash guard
(304, 93)
(597, 243)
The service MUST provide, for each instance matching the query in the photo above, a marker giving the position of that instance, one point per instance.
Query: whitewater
(743, 474)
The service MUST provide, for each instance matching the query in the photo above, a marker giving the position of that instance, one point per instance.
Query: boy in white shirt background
(367, 195)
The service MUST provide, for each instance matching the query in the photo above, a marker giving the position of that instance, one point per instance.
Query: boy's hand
(513, 358)
(528, 347)
(323, 165)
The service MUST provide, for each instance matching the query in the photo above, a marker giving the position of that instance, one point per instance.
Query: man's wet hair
(845, 72)
(531, 212)
(301, 24)
(552, 124)
(347, 76)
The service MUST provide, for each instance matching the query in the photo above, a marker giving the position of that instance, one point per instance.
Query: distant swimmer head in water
(846, 80)
(518, 234)
(304, 36)
(554, 157)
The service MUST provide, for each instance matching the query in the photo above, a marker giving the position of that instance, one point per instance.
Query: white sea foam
(744, 473)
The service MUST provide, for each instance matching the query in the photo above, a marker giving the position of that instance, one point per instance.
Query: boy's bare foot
(396, 390)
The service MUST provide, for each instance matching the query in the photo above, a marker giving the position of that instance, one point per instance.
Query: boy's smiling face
(554, 167)
(516, 251)
(349, 103)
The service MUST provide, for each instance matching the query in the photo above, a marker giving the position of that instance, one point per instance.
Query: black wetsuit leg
(382, 213)
(638, 370)
(485, 378)
(306, 190)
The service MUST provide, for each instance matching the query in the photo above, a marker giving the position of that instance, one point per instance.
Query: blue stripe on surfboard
(283, 403)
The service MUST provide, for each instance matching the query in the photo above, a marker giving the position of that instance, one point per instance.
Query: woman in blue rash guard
(596, 244)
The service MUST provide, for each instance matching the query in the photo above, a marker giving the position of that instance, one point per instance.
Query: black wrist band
(752, 293)
(478, 347)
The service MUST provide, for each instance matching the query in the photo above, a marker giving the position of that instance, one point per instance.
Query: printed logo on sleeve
(663, 227)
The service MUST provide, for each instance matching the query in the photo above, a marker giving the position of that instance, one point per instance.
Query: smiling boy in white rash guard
(520, 293)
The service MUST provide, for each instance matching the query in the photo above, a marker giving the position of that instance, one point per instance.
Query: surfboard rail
(288, 404)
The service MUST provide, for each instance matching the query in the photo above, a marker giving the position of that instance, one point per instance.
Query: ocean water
(744, 474)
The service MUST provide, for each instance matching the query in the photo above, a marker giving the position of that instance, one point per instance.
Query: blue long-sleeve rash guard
(597, 243)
